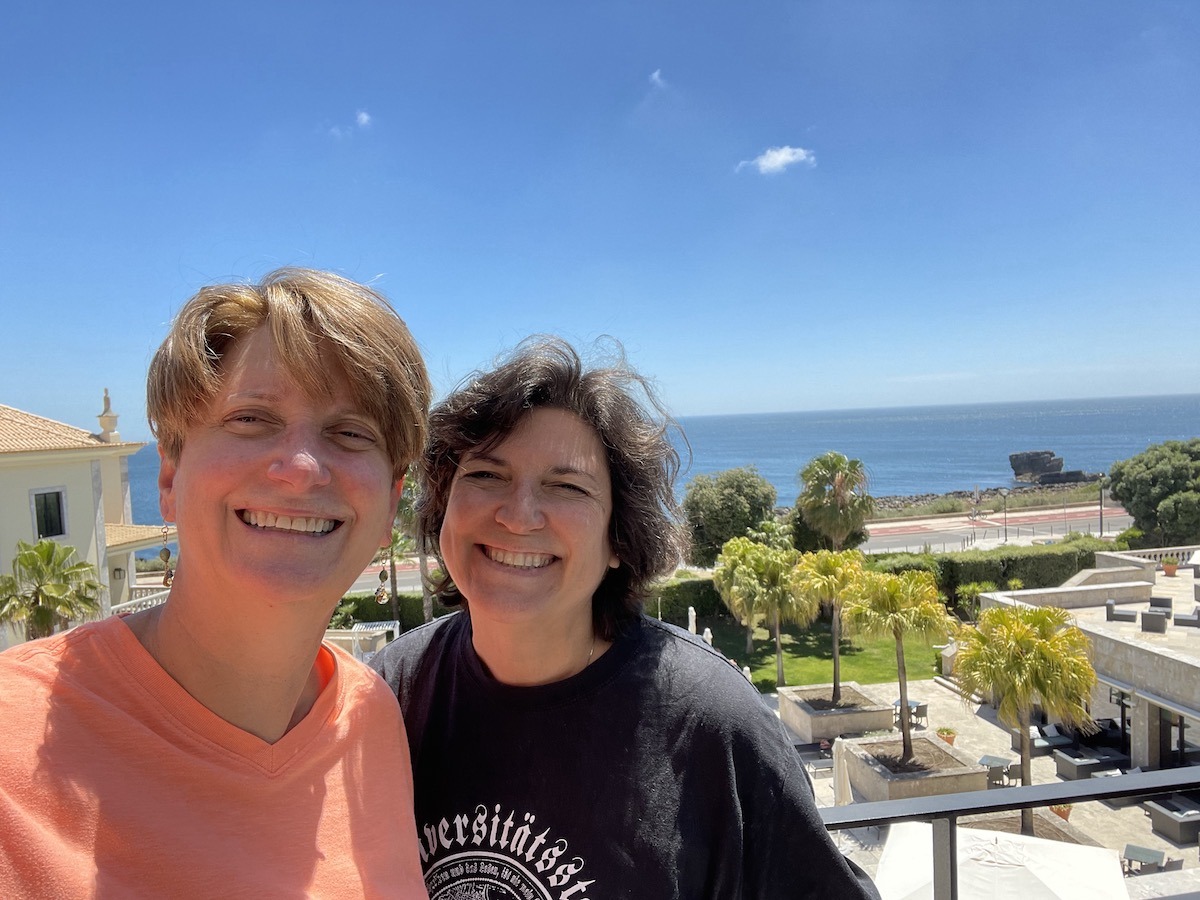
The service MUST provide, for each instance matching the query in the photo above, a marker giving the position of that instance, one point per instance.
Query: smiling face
(525, 536)
(277, 494)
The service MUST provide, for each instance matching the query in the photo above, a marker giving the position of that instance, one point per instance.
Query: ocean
(911, 450)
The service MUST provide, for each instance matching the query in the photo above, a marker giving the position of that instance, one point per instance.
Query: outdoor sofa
(1191, 620)
(1112, 614)
(1043, 739)
(1076, 764)
(1175, 817)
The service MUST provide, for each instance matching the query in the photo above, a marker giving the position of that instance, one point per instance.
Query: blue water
(914, 450)
(936, 449)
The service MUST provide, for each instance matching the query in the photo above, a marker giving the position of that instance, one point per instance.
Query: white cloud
(774, 160)
(657, 81)
(363, 118)
(337, 132)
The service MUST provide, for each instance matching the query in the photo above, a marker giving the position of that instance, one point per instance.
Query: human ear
(385, 539)
(167, 470)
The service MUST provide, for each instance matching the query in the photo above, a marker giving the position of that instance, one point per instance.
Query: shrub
(1033, 567)
(895, 563)
(1132, 538)
(363, 608)
(970, 566)
(680, 592)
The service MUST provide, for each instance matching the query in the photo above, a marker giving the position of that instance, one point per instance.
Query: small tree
(827, 579)
(47, 588)
(1025, 655)
(1160, 488)
(724, 506)
(899, 605)
(833, 496)
(736, 582)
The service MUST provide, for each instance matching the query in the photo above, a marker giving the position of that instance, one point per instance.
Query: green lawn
(808, 655)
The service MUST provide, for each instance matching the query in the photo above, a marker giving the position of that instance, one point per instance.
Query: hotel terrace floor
(980, 733)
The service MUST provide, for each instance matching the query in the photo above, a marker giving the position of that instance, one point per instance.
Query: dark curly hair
(545, 372)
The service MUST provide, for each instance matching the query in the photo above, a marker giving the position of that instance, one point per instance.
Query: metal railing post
(945, 859)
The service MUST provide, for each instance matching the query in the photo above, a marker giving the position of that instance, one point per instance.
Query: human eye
(354, 435)
(481, 475)
(571, 488)
(480, 471)
(247, 421)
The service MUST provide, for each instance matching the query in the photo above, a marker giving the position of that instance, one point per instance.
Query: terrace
(1120, 783)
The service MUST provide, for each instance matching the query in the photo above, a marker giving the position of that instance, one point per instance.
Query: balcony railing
(144, 601)
(944, 810)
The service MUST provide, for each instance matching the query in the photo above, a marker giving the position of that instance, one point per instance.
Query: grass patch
(938, 507)
(1020, 498)
(808, 655)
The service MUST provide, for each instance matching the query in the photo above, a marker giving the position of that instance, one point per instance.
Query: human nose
(520, 511)
(300, 460)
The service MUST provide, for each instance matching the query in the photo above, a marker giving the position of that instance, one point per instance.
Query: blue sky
(773, 205)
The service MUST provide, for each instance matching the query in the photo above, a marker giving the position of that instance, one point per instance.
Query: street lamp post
(1004, 497)
(1101, 506)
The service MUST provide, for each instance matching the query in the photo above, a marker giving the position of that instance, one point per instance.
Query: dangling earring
(381, 595)
(165, 555)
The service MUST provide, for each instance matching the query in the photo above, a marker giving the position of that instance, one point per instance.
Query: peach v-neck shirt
(115, 782)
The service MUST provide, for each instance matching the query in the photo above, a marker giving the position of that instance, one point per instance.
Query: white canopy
(998, 866)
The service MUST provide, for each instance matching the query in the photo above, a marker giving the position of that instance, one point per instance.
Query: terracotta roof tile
(22, 432)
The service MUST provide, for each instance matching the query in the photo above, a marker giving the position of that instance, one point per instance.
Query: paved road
(1023, 527)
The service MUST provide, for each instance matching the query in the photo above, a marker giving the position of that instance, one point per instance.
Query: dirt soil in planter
(820, 698)
(928, 757)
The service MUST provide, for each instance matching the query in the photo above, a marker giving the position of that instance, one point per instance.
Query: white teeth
(287, 523)
(519, 560)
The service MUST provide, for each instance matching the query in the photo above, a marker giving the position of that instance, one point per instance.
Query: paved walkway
(980, 733)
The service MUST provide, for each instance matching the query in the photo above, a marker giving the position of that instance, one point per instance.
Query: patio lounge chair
(1191, 620)
(1154, 621)
(1112, 614)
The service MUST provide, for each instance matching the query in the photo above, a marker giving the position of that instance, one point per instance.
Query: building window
(48, 511)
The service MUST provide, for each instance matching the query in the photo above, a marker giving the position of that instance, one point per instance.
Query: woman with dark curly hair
(564, 744)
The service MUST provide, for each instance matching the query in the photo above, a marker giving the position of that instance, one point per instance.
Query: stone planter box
(815, 725)
(874, 781)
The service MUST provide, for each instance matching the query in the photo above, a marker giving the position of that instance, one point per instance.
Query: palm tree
(827, 579)
(406, 521)
(833, 496)
(899, 605)
(757, 580)
(1024, 655)
(735, 581)
(46, 589)
(780, 597)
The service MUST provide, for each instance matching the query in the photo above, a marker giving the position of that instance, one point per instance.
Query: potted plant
(1170, 564)
(947, 734)
(1062, 810)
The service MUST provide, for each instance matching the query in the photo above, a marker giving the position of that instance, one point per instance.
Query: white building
(61, 482)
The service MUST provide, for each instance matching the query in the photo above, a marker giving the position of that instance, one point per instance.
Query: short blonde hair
(307, 312)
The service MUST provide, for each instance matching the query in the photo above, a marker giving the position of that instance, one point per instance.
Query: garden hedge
(1036, 567)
